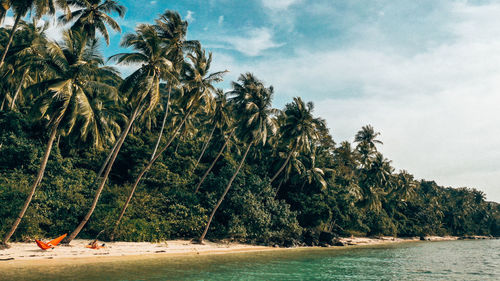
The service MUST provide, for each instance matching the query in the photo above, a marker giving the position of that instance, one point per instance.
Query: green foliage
(295, 185)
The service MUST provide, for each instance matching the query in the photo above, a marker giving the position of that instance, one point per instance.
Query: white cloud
(190, 16)
(153, 2)
(220, 20)
(279, 4)
(437, 110)
(254, 43)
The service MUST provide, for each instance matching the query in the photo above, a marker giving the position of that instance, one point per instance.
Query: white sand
(78, 251)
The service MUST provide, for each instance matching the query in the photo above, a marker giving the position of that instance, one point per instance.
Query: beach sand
(77, 252)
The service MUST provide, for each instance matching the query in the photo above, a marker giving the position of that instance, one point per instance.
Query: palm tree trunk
(143, 172)
(224, 194)
(283, 166)
(162, 125)
(213, 164)
(38, 179)
(11, 36)
(18, 90)
(278, 189)
(3, 102)
(205, 146)
(114, 153)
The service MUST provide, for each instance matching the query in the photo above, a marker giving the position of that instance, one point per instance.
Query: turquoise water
(451, 260)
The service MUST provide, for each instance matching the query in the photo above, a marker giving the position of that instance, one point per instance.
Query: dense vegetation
(163, 154)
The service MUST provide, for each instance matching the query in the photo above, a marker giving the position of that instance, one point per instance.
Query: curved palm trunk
(3, 102)
(114, 153)
(143, 172)
(283, 166)
(162, 125)
(278, 189)
(205, 146)
(11, 36)
(18, 90)
(224, 194)
(38, 179)
(213, 164)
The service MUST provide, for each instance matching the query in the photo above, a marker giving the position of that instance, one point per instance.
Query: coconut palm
(223, 120)
(198, 83)
(21, 8)
(298, 130)
(143, 89)
(255, 123)
(173, 31)
(220, 119)
(92, 15)
(367, 141)
(65, 97)
(25, 60)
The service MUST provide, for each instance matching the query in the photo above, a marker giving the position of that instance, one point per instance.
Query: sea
(445, 260)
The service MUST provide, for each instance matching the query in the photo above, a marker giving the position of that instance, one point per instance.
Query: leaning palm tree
(298, 130)
(143, 89)
(220, 119)
(64, 99)
(92, 15)
(198, 83)
(252, 104)
(21, 8)
(173, 31)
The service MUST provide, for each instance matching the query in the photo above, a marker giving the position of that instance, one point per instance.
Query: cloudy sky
(426, 74)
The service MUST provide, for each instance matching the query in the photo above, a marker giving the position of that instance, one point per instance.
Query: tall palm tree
(298, 130)
(252, 104)
(92, 15)
(143, 89)
(173, 31)
(21, 8)
(65, 97)
(198, 82)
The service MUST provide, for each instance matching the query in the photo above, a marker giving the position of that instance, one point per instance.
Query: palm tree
(367, 141)
(298, 130)
(173, 31)
(252, 104)
(26, 56)
(309, 172)
(21, 8)
(143, 89)
(199, 87)
(65, 97)
(92, 16)
(221, 119)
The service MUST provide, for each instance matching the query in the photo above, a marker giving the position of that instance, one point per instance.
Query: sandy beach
(77, 251)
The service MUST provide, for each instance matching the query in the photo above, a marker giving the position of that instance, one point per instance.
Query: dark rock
(339, 243)
(310, 238)
(326, 237)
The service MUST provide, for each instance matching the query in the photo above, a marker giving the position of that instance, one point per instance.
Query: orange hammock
(51, 244)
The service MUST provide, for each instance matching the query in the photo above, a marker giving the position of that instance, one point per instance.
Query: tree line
(163, 153)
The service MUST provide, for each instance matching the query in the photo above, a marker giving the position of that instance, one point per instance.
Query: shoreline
(29, 254)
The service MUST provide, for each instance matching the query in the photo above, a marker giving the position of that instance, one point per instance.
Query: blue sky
(426, 73)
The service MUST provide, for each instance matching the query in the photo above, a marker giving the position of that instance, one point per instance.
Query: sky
(425, 74)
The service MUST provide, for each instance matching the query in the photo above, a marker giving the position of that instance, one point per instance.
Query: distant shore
(78, 253)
